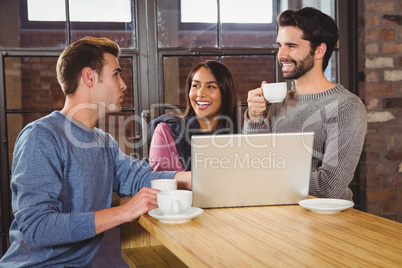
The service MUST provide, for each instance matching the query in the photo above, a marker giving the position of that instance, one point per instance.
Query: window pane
(9, 30)
(39, 28)
(252, 11)
(38, 10)
(249, 71)
(127, 76)
(232, 11)
(328, 6)
(331, 72)
(175, 72)
(111, 19)
(172, 32)
(180, 26)
(243, 35)
(206, 11)
(31, 84)
(254, 26)
(104, 10)
(16, 31)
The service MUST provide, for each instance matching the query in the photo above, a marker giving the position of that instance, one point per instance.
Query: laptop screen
(250, 170)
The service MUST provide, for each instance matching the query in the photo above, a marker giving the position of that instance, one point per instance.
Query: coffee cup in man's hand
(275, 92)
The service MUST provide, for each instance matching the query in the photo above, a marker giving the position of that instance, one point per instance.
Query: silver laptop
(250, 170)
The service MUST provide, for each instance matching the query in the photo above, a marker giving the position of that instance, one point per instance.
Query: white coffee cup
(175, 202)
(164, 184)
(275, 92)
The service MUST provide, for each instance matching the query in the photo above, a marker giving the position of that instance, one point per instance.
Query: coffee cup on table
(164, 184)
(175, 202)
(275, 92)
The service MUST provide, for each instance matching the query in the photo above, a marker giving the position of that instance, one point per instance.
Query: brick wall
(380, 85)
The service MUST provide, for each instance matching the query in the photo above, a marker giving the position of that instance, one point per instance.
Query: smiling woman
(205, 98)
(208, 83)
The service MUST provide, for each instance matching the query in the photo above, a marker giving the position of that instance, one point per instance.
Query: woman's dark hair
(226, 86)
(317, 28)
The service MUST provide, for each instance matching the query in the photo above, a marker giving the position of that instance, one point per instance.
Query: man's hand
(140, 203)
(256, 104)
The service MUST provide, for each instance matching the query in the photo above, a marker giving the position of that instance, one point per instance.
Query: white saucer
(190, 214)
(326, 205)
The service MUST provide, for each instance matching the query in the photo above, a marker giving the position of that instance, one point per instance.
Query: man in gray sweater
(306, 39)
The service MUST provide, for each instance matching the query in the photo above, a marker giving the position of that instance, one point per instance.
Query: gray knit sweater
(338, 119)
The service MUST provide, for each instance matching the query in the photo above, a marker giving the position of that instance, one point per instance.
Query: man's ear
(88, 76)
(320, 51)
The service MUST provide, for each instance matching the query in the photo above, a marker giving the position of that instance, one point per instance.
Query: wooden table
(268, 236)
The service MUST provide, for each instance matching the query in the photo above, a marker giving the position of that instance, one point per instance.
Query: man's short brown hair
(86, 52)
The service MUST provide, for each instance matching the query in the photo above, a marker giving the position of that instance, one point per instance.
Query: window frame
(229, 26)
(62, 25)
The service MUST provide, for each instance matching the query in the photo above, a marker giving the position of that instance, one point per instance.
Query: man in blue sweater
(65, 169)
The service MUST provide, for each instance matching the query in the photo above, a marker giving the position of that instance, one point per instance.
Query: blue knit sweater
(62, 172)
